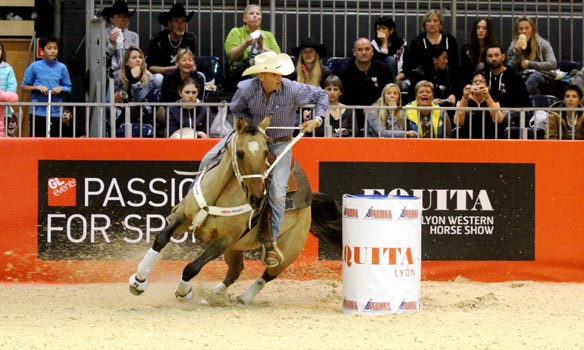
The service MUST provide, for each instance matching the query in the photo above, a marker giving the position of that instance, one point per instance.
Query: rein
(286, 149)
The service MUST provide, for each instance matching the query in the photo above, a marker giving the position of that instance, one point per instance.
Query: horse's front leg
(184, 291)
(139, 281)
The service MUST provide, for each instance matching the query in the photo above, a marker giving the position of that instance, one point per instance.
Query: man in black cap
(164, 45)
(120, 38)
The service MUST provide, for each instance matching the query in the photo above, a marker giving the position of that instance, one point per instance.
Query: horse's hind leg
(139, 281)
(291, 241)
(234, 261)
(184, 291)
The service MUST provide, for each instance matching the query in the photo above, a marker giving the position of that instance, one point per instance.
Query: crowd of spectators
(384, 72)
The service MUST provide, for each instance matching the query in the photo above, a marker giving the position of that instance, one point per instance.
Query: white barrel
(382, 254)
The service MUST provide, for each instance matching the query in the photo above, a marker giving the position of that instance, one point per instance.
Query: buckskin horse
(223, 208)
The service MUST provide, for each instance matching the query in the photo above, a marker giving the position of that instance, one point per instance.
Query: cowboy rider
(270, 93)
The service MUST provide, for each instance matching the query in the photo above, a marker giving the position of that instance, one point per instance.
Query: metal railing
(86, 117)
(338, 23)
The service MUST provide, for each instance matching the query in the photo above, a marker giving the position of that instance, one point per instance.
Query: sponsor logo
(351, 213)
(444, 199)
(104, 210)
(349, 304)
(409, 214)
(485, 212)
(408, 306)
(377, 255)
(373, 306)
(232, 211)
(62, 192)
(378, 214)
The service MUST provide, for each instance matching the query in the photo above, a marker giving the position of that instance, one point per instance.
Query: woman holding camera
(479, 124)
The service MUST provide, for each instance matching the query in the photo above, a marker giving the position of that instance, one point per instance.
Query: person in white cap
(271, 94)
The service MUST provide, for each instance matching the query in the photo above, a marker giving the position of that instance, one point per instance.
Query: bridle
(240, 178)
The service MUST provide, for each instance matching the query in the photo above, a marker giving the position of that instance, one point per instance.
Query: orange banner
(558, 235)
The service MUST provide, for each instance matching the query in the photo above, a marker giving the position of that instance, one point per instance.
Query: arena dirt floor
(290, 314)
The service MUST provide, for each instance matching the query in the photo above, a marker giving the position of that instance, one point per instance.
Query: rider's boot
(271, 255)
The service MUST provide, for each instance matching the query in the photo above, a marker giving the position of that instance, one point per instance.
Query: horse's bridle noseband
(240, 178)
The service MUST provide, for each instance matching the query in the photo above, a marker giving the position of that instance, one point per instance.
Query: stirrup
(271, 257)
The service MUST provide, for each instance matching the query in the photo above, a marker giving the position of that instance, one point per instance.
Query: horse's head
(250, 153)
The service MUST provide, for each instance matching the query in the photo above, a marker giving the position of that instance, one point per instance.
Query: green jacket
(238, 35)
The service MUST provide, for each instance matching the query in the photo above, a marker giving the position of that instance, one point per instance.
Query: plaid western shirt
(250, 103)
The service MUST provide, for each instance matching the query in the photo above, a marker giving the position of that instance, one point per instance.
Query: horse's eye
(240, 154)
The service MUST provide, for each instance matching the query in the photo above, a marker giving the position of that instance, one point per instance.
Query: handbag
(539, 120)
(221, 126)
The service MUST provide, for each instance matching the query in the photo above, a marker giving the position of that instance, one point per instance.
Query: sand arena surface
(290, 314)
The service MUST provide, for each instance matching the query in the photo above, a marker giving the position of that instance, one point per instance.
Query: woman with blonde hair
(531, 55)
(389, 121)
(309, 68)
(428, 123)
(134, 84)
(186, 67)
(134, 78)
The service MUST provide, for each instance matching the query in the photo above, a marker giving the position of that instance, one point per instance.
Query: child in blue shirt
(44, 77)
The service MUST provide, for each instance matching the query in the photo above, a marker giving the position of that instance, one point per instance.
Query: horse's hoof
(186, 297)
(219, 288)
(137, 287)
(240, 301)
(184, 291)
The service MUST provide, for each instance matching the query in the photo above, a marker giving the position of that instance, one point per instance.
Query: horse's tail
(327, 223)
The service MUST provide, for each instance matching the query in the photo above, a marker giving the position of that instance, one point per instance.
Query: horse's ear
(240, 125)
(266, 122)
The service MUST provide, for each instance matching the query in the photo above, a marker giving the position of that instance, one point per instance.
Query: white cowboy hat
(271, 62)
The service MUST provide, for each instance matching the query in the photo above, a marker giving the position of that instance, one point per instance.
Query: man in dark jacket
(364, 78)
(507, 87)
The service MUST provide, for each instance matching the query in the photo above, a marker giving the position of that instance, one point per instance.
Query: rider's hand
(309, 126)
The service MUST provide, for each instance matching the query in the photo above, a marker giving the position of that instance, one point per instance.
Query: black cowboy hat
(118, 7)
(309, 42)
(177, 10)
